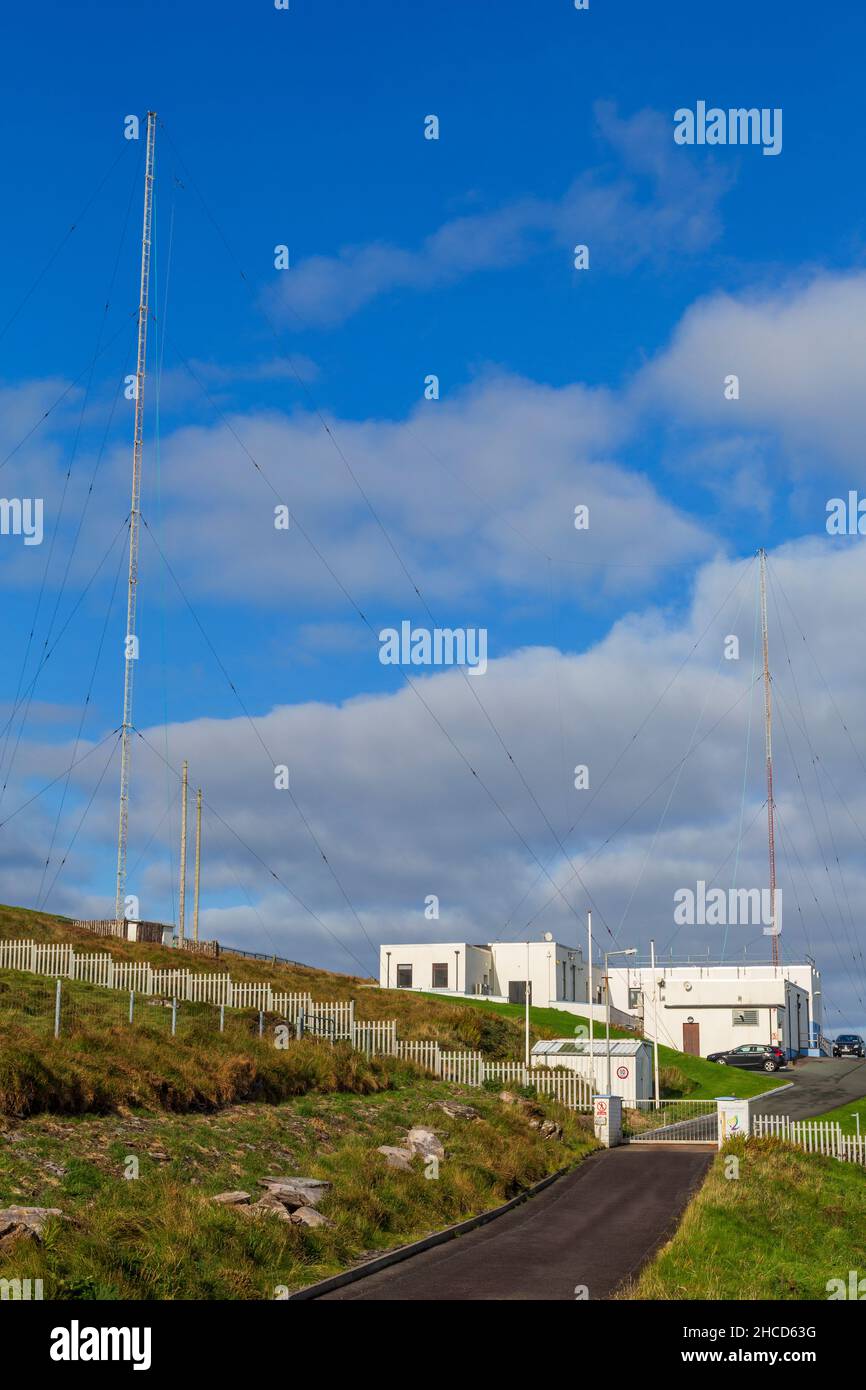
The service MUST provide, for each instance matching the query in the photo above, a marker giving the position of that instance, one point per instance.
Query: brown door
(692, 1039)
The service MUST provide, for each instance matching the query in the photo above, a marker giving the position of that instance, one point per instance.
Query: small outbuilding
(631, 1063)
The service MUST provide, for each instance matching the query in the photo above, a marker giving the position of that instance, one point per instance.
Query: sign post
(735, 1118)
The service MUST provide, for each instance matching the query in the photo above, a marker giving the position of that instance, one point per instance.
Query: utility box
(607, 1120)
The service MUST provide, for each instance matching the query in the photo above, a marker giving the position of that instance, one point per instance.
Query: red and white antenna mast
(768, 740)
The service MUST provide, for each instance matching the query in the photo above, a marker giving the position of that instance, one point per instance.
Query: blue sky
(410, 257)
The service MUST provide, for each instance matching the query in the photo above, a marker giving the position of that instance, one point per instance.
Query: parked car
(759, 1056)
(849, 1045)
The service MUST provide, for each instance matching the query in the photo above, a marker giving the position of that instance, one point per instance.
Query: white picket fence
(423, 1054)
(471, 1069)
(814, 1136)
(569, 1088)
(59, 959)
(377, 1037)
(333, 1020)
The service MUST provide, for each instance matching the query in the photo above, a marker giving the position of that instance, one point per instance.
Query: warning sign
(622, 1073)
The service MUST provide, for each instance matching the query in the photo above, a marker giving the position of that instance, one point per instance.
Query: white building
(631, 1064)
(701, 1009)
(695, 1008)
(498, 970)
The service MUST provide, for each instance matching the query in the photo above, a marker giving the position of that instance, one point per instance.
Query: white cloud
(400, 816)
(798, 351)
(623, 223)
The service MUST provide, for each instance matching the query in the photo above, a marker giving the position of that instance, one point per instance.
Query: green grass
(844, 1115)
(100, 1063)
(452, 1024)
(160, 1236)
(206, 1111)
(690, 1078)
(786, 1225)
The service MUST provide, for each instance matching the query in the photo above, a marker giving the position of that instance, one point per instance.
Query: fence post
(300, 1032)
(57, 1010)
(173, 1015)
(261, 1022)
(222, 1018)
(131, 1005)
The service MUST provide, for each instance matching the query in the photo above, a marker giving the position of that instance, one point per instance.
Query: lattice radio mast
(130, 649)
(768, 739)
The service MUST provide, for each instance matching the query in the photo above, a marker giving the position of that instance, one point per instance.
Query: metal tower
(131, 645)
(768, 739)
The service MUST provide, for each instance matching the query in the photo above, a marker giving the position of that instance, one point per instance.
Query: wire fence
(64, 1008)
(67, 1008)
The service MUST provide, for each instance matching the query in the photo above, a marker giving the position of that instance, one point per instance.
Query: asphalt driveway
(595, 1227)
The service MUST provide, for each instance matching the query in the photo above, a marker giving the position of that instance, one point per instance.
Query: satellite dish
(548, 936)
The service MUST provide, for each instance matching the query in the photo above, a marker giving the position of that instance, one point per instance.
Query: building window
(634, 998)
(745, 1018)
(404, 977)
(440, 976)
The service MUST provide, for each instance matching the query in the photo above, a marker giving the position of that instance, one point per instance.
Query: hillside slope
(493, 1028)
(779, 1226)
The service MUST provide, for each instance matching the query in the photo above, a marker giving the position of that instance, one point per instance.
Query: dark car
(849, 1045)
(759, 1056)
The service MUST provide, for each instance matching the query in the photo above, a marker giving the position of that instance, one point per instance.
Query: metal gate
(671, 1122)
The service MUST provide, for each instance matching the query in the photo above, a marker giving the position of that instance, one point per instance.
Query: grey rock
(308, 1216)
(268, 1206)
(26, 1221)
(397, 1158)
(232, 1199)
(458, 1111)
(425, 1142)
(548, 1129)
(297, 1192)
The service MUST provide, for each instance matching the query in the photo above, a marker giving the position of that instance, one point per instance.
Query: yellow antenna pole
(197, 864)
(181, 902)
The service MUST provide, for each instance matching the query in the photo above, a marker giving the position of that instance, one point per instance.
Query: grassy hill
(204, 1111)
(161, 1235)
(680, 1075)
(450, 1024)
(780, 1229)
(495, 1029)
